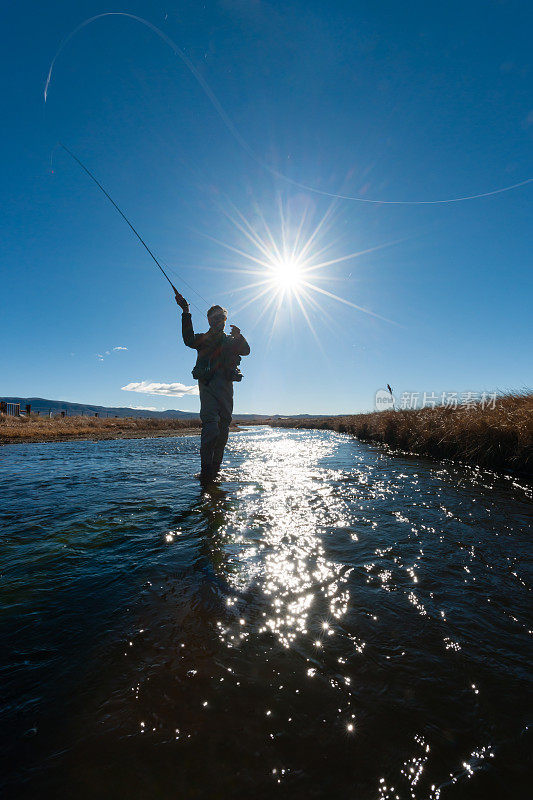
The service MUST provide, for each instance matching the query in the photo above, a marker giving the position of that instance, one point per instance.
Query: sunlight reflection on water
(290, 562)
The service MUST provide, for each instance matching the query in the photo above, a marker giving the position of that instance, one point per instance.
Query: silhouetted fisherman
(217, 366)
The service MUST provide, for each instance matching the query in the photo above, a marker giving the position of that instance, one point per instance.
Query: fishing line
(122, 214)
(173, 272)
(240, 139)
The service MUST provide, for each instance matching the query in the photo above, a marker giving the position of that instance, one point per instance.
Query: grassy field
(499, 438)
(43, 429)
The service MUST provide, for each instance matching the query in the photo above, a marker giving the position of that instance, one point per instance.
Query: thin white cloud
(167, 389)
(143, 408)
(101, 356)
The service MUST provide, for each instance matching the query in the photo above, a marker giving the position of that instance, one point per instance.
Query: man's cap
(218, 311)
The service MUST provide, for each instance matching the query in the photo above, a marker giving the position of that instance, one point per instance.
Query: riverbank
(499, 437)
(63, 429)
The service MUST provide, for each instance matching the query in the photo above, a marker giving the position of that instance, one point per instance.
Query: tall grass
(37, 428)
(499, 438)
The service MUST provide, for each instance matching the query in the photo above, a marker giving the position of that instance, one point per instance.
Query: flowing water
(329, 621)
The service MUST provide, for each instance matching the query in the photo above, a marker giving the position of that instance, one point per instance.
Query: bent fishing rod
(122, 214)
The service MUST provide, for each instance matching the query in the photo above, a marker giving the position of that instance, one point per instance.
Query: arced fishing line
(239, 138)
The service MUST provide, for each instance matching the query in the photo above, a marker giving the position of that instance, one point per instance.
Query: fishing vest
(218, 357)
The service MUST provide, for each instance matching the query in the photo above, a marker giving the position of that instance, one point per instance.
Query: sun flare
(290, 266)
(287, 274)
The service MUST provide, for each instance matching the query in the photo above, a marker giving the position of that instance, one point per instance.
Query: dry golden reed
(43, 429)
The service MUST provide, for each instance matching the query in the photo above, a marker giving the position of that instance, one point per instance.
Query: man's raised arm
(187, 330)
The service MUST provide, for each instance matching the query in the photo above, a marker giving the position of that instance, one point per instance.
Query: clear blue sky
(390, 100)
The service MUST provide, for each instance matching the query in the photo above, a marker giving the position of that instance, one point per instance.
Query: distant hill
(44, 406)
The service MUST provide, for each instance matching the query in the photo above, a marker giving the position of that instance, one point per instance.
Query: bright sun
(288, 265)
(287, 274)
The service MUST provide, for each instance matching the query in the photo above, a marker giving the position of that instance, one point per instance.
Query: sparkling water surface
(329, 620)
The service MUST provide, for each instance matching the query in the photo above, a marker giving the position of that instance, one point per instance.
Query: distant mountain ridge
(44, 406)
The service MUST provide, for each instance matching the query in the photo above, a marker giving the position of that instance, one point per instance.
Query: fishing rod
(122, 214)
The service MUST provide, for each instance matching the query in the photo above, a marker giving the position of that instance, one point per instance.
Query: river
(330, 620)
